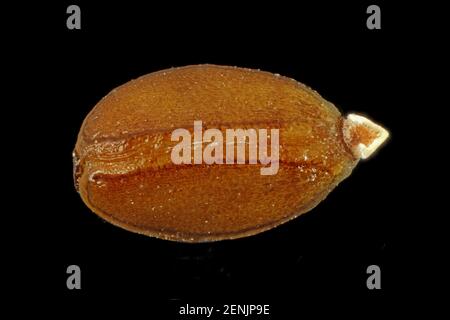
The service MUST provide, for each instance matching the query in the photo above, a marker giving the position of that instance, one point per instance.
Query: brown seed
(124, 172)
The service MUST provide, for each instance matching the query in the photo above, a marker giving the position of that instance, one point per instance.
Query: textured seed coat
(124, 172)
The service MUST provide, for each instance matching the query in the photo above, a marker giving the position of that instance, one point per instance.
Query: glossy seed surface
(124, 171)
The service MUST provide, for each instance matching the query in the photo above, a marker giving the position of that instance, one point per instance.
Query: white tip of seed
(363, 136)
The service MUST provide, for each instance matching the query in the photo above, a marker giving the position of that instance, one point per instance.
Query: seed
(235, 199)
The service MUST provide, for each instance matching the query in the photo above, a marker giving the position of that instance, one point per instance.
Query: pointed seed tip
(362, 135)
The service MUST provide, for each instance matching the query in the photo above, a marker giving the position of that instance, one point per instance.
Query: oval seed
(159, 155)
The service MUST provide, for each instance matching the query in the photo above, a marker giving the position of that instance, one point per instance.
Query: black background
(322, 255)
